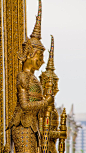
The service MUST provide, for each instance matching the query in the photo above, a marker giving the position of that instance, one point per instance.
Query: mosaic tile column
(14, 35)
(1, 84)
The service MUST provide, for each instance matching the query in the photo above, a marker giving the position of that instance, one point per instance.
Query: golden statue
(50, 132)
(24, 122)
(34, 123)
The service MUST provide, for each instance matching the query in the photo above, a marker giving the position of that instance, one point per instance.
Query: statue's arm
(23, 95)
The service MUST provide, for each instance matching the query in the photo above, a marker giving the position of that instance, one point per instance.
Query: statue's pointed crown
(34, 42)
(50, 64)
(37, 29)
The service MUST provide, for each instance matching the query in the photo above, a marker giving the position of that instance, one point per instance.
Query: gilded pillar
(1, 82)
(14, 35)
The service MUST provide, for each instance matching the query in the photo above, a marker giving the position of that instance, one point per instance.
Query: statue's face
(38, 59)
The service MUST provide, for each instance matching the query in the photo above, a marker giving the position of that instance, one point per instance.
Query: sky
(66, 21)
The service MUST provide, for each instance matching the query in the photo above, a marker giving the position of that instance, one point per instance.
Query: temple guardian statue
(34, 124)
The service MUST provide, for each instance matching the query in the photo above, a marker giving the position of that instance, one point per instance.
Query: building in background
(81, 137)
(72, 131)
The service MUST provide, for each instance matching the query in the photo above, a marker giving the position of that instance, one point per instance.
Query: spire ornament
(36, 34)
(37, 29)
(50, 64)
(50, 67)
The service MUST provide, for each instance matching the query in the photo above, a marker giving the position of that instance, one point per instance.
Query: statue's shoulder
(22, 79)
